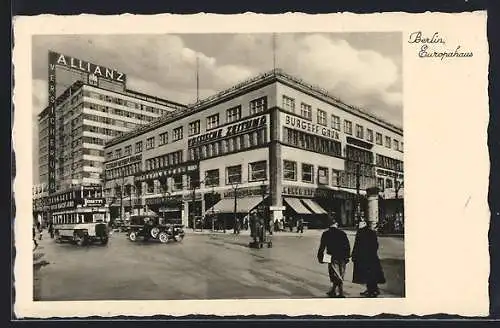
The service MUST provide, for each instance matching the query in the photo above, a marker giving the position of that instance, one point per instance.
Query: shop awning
(315, 207)
(244, 205)
(297, 206)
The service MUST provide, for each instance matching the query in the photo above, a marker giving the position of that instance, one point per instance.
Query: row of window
(124, 171)
(169, 159)
(213, 121)
(288, 104)
(241, 142)
(383, 183)
(389, 163)
(312, 142)
(123, 102)
(104, 120)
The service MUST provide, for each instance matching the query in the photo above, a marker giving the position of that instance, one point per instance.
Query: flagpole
(197, 80)
(274, 51)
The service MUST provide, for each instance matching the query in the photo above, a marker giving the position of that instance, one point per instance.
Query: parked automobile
(153, 228)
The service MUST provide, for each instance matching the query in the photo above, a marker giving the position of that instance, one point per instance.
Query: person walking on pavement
(300, 225)
(34, 237)
(367, 268)
(337, 246)
(51, 230)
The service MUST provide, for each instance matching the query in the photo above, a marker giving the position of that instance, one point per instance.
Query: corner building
(272, 142)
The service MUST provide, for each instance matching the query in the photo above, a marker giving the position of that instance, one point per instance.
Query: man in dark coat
(367, 267)
(337, 246)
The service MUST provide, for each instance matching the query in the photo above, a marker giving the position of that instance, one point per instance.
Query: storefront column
(275, 166)
(185, 213)
(372, 195)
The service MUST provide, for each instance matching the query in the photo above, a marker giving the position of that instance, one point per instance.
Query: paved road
(203, 266)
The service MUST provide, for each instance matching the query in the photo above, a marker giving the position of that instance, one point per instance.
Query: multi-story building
(86, 117)
(273, 140)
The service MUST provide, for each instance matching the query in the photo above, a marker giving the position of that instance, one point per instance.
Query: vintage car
(154, 228)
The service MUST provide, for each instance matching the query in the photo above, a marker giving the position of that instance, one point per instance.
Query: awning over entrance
(244, 205)
(297, 206)
(315, 207)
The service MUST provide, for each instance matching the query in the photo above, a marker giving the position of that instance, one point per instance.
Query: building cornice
(276, 75)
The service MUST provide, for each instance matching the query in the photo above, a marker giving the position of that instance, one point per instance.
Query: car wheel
(154, 232)
(132, 236)
(163, 237)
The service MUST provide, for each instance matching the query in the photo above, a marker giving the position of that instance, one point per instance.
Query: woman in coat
(367, 268)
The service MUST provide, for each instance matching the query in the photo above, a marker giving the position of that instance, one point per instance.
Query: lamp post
(235, 209)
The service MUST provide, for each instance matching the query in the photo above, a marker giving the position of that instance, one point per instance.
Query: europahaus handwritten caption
(435, 47)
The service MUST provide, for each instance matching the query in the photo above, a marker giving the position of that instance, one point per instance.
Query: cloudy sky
(362, 69)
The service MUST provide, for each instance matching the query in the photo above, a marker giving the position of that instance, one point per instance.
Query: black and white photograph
(218, 166)
(298, 168)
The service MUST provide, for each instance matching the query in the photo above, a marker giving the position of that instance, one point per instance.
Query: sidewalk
(307, 232)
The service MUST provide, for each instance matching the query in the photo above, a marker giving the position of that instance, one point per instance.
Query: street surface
(203, 266)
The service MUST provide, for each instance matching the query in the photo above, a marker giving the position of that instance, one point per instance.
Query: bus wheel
(163, 237)
(80, 240)
(132, 236)
(104, 240)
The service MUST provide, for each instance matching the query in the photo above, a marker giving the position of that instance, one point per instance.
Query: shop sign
(391, 174)
(167, 172)
(163, 200)
(63, 205)
(305, 125)
(93, 202)
(124, 161)
(316, 193)
(228, 131)
(245, 192)
(359, 143)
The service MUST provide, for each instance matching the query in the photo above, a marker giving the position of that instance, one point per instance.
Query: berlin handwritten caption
(434, 46)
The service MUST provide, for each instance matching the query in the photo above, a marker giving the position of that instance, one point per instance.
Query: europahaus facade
(273, 142)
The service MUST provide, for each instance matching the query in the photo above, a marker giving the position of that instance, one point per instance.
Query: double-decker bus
(79, 215)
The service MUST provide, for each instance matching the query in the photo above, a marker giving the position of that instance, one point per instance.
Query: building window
(177, 182)
(289, 170)
(178, 133)
(347, 127)
(335, 178)
(388, 142)
(194, 128)
(369, 135)
(307, 173)
(233, 114)
(401, 148)
(380, 183)
(306, 111)
(257, 171)
(288, 104)
(150, 143)
(150, 187)
(212, 178)
(212, 121)
(138, 146)
(359, 131)
(258, 105)
(128, 150)
(163, 138)
(335, 122)
(388, 183)
(396, 144)
(378, 138)
(118, 153)
(321, 117)
(233, 174)
(323, 176)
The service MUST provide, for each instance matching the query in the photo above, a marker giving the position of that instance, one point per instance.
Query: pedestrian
(51, 230)
(34, 237)
(338, 249)
(300, 225)
(367, 267)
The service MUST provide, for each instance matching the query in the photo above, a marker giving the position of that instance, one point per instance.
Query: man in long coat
(367, 267)
(338, 248)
